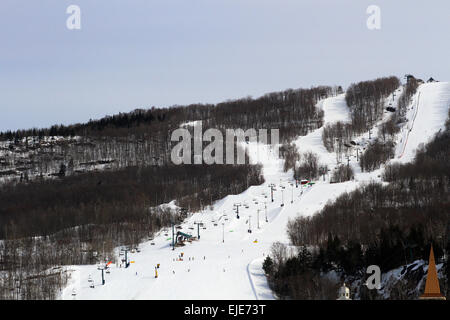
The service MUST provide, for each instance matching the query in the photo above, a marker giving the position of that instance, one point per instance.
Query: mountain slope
(213, 269)
(427, 115)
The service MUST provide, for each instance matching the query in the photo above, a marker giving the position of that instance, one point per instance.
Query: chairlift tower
(103, 275)
(173, 236)
(258, 217)
(265, 209)
(127, 264)
(237, 205)
(292, 193)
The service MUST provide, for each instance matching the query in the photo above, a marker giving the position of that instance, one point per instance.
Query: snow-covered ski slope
(226, 262)
(426, 116)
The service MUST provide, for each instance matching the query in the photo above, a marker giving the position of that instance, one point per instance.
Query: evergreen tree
(268, 266)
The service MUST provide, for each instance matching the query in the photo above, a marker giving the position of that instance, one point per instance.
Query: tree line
(143, 137)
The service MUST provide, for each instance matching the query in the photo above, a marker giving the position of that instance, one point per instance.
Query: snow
(426, 115)
(226, 263)
(172, 206)
(190, 123)
(335, 109)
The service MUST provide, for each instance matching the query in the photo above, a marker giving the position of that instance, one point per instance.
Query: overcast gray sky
(142, 53)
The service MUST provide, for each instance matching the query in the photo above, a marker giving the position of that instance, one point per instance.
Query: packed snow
(426, 116)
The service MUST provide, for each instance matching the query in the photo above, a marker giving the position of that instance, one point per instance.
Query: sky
(132, 54)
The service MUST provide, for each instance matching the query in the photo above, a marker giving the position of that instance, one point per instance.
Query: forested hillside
(143, 137)
(109, 176)
(68, 220)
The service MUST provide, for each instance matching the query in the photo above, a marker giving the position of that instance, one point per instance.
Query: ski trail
(411, 127)
(251, 281)
(426, 119)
